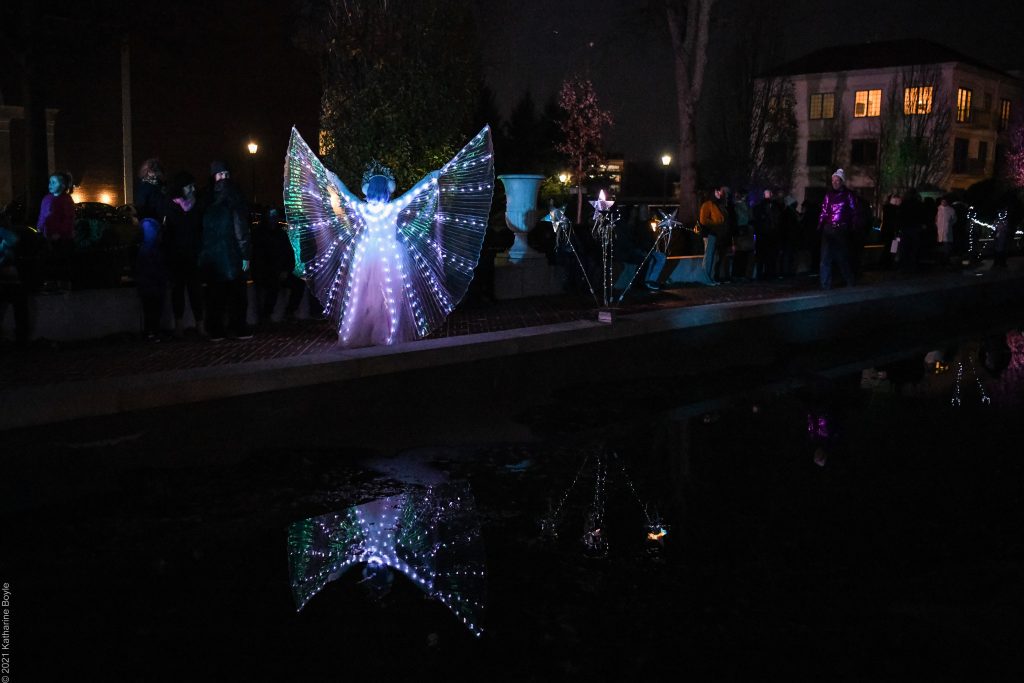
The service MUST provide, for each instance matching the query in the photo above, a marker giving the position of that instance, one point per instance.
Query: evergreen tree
(401, 82)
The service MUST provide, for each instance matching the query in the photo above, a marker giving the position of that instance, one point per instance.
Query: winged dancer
(388, 270)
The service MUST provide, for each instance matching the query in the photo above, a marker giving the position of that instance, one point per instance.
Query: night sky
(208, 75)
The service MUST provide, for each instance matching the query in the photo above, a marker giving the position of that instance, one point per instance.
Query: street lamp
(666, 159)
(253, 148)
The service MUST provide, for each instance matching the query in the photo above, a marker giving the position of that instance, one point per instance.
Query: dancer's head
(378, 182)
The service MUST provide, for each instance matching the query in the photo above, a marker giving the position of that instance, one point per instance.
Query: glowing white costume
(388, 271)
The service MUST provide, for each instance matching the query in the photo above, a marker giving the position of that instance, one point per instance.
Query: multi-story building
(869, 108)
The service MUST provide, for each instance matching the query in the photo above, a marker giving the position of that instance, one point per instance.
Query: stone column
(7, 113)
(51, 123)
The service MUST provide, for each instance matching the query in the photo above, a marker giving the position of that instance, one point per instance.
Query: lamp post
(253, 148)
(666, 159)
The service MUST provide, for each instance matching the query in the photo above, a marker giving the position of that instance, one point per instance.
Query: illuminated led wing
(322, 224)
(432, 537)
(444, 230)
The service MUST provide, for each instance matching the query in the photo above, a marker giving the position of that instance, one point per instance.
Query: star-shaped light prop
(560, 224)
(664, 227)
(601, 205)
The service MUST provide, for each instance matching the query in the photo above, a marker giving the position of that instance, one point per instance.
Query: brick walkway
(125, 355)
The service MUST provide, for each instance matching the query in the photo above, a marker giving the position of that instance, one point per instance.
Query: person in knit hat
(838, 219)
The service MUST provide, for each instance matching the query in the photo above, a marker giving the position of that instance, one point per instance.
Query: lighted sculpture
(604, 233)
(388, 271)
(431, 537)
(562, 227)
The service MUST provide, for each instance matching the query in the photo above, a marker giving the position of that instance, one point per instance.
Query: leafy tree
(736, 100)
(582, 127)
(401, 82)
(773, 133)
(914, 131)
(1014, 164)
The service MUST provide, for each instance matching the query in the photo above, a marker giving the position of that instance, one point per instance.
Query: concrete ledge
(96, 313)
(784, 319)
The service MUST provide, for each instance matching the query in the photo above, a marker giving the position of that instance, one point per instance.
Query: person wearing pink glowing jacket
(840, 216)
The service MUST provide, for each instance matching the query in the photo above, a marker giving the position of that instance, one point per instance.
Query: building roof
(875, 55)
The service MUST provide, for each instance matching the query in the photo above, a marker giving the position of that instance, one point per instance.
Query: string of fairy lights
(956, 401)
(603, 230)
(662, 241)
(562, 227)
(595, 538)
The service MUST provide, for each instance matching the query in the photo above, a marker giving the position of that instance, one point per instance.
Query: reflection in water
(956, 401)
(595, 536)
(432, 536)
(1009, 389)
(979, 373)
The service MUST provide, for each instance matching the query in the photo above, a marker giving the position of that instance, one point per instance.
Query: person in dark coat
(224, 261)
(150, 198)
(768, 223)
(912, 225)
(889, 229)
(273, 263)
(1001, 239)
(182, 239)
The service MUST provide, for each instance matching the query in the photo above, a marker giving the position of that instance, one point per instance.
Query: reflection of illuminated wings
(443, 232)
(432, 537)
(321, 224)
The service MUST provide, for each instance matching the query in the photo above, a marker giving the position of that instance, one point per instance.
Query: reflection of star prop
(431, 537)
(594, 539)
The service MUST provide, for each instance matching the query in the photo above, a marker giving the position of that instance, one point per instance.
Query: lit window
(917, 100)
(867, 103)
(1004, 114)
(823, 105)
(963, 105)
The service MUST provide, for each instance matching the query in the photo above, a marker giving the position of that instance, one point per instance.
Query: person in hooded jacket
(224, 261)
(182, 240)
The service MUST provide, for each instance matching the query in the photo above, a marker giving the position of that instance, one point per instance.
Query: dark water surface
(853, 524)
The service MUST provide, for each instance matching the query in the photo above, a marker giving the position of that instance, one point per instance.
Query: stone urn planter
(521, 213)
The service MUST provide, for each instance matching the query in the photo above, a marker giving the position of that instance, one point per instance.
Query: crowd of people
(755, 240)
(202, 247)
(205, 250)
